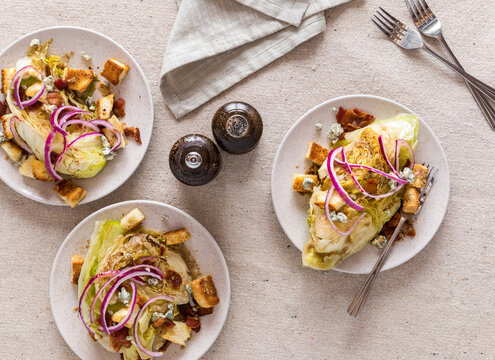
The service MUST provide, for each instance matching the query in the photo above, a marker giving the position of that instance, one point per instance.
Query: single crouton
(130, 131)
(411, 200)
(78, 79)
(176, 236)
(304, 182)
(25, 169)
(114, 71)
(420, 175)
(117, 125)
(178, 334)
(122, 313)
(316, 153)
(77, 263)
(39, 170)
(13, 151)
(6, 126)
(70, 193)
(104, 107)
(133, 219)
(7, 75)
(335, 203)
(204, 292)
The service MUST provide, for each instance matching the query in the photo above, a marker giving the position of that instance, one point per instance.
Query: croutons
(77, 263)
(204, 292)
(130, 131)
(316, 153)
(335, 203)
(176, 236)
(304, 183)
(78, 79)
(122, 313)
(25, 169)
(114, 71)
(104, 107)
(39, 170)
(6, 126)
(133, 219)
(13, 151)
(7, 75)
(117, 125)
(411, 200)
(179, 334)
(70, 193)
(34, 89)
(420, 175)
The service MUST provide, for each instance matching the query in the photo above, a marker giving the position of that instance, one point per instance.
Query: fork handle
(479, 97)
(360, 299)
(484, 88)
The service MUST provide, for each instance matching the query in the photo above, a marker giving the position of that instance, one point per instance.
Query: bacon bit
(389, 228)
(61, 84)
(371, 186)
(186, 310)
(54, 98)
(204, 311)
(165, 324)
(173, 278)
(354, 119)
(141, 300)
(193, 323)
(48, 71)
(2, 108)
(118, 339)
(133, 132)
(119, 108)
(149, 260)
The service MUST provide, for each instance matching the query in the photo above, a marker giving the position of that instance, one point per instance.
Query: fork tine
(391, 33)
(413, 13)
(419, 10)
(401, 24)
(396, 29)
(427, 9)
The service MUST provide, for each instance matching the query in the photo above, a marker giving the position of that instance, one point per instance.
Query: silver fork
(429, 25)
(360, 299)
(409, 39)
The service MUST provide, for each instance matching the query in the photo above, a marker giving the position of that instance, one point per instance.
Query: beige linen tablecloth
(439, 305)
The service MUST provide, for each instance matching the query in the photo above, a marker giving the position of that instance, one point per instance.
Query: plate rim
(148, 92)
(137, 202)
(374, 97)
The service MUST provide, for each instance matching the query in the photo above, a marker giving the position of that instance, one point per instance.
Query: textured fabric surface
(439, 305)
(216, 43)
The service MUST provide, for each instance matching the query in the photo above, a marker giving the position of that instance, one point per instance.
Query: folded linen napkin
(216, 43)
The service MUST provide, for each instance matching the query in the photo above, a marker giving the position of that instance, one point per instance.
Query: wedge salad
(139, 289)
(359, 184)
(52, 125)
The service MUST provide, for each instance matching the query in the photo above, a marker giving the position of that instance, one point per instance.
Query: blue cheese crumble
(380, 241)
(2, 137)
(307, 184)
(407, 174)
(49, 82)
(335, 132)
(318, 126)
(35, 42)
(339, 216)
(106, 149)
(153, 281)
(85, 56)
(124, 296)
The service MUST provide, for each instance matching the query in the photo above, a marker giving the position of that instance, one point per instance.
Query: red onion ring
(136, 324)
(85, 293)
(349, 170)
(70, 114)
(48, 162)
(16, 81)
(113, 288)
(88, 124)
(379, 172)
(122, 323)
(106, 124)
(54, 122)
(384, 154)
(97, 295)
(398, 144)
(16, 136)
(327, 213)
(333, 177)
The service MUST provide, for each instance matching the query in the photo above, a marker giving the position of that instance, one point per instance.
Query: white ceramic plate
(134, 90)
(63, 294)
(291, 207)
